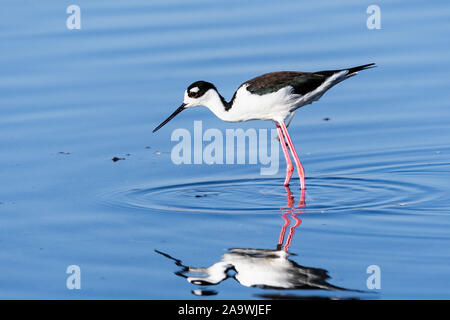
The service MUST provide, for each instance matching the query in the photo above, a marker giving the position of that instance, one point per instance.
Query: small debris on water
(64, 152)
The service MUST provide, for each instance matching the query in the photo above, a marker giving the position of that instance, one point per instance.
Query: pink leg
(301, 171)
(290, 197)
(287, 222)
(291, 231)
(289, 166)
(294, 212)
(302, 201)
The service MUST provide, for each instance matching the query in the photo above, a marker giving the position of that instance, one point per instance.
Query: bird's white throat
(247, 106)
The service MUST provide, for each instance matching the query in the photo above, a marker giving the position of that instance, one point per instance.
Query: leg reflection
(260, 268)
(292, 211)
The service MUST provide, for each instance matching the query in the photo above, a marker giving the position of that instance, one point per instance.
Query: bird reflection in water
(261, 268)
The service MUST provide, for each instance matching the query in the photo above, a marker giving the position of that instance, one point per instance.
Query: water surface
(377, 170)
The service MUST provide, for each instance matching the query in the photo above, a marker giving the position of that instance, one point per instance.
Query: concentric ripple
(264, 196)
(366, 181)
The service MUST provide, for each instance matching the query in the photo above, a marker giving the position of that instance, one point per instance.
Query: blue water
(377, 170)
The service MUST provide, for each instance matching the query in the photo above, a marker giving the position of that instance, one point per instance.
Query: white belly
(277, 105)
(273, 106)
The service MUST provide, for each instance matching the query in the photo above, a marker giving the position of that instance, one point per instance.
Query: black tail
(359, 68)
(351, 71)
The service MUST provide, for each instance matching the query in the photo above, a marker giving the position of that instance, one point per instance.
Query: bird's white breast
(272, 106)
(276, 105)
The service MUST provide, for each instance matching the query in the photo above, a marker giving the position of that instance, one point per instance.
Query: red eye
(193, 94)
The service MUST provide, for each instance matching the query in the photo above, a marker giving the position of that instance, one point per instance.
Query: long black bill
(180, 108)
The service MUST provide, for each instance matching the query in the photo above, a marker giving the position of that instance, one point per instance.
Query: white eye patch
(194, 90)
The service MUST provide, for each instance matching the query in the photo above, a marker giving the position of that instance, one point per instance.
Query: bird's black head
(199, 88)
(195, 95)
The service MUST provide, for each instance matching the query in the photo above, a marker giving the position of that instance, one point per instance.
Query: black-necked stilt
(263, 268)
(271, 96)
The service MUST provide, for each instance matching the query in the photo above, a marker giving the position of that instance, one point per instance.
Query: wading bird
(271, 96)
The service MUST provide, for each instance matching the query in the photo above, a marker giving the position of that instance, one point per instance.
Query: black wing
(301, 82)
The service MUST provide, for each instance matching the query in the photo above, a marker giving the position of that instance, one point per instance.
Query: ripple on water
(370, 185)
(265, 196)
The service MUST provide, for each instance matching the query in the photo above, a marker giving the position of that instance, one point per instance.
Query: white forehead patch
(194, 89)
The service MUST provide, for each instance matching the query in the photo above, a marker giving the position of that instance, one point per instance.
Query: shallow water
(377, 170)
